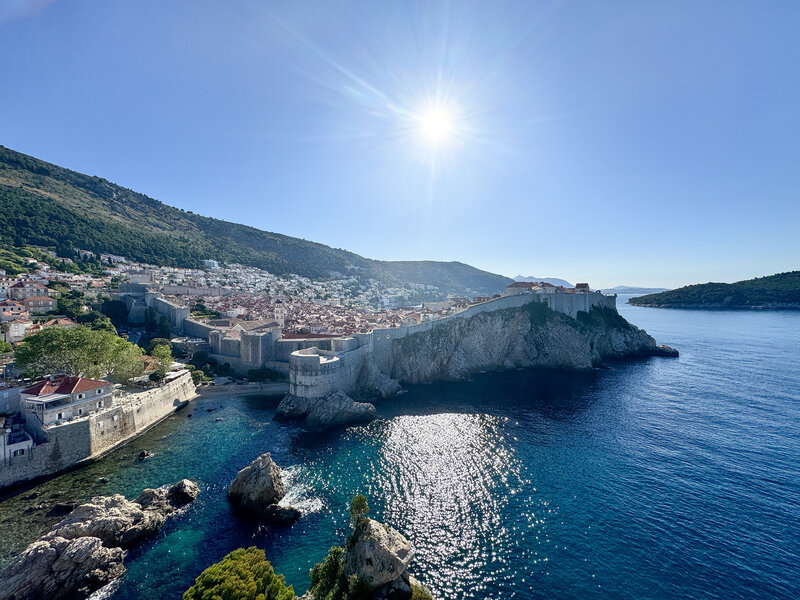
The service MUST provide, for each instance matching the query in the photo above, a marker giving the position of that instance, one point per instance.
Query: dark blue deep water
(658, 478)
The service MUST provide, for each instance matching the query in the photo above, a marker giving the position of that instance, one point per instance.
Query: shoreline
(711, 307)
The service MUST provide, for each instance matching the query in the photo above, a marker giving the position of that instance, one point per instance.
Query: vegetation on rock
(244, 574)
(330, 582)
(358, 509)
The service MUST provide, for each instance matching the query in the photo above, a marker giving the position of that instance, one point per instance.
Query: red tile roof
(63, 384)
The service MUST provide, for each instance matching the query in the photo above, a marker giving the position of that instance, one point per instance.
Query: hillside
(776, 291)
(44, 204)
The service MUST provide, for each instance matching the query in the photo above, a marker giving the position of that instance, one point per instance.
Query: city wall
(569, 304)
(320, 367)
(88, 438)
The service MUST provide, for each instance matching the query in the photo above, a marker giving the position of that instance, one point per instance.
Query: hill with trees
(46, 205)
(776, 291)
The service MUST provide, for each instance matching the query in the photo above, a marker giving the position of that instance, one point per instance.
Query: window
(60, 415)
(100, 404)
(100, 423)
(80, 411)
(81, 396)
(100, 391)
(19, 452)
(116, 418)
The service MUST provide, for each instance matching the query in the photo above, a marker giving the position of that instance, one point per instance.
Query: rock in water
(58, 568)
(168, 498)
(329, 411)
(85, 550)
(281, 515)
(377, 553)
(257, 486)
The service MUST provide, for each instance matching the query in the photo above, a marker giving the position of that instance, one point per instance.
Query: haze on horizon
(644, 144)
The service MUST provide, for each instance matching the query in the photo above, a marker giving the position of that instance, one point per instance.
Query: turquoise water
(658, 478)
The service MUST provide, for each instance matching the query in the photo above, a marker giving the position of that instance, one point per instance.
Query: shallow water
(659, 478)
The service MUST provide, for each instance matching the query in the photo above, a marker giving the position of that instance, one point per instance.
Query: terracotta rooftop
(63, 384)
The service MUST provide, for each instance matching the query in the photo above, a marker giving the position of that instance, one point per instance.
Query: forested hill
(44, 204)
(776, 291)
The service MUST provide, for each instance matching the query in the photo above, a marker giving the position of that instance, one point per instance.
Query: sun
(437, 124)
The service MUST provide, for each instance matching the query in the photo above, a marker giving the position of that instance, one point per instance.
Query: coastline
(776, 306)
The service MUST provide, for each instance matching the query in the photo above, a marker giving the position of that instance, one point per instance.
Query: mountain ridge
(552, 280)
(45, 204)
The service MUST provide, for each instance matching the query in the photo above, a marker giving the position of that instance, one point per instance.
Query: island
(776, 292)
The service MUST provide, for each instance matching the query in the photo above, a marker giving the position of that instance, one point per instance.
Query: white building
(61, 397)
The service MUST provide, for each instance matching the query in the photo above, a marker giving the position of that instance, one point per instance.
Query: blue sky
(638, 143)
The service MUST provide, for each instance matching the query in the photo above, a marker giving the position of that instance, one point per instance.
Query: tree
(162, 353)
(163, 328)
(71, 304)
(116, 310)
(241, 575)
(158, 342)
(78, 351)
(5, 347)
(125, 361)
(329, 580)
(358, 509)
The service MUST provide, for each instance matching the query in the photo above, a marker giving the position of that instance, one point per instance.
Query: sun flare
(437, 124)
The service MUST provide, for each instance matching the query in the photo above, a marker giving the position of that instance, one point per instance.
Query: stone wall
(320, 367)
(569, 304)
(315, 372)
(86, 439)
(197, 329)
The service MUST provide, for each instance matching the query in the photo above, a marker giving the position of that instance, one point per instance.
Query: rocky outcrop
(257, 490)
(321, 413)
(378, 555)
(529, 336)
(85, 550)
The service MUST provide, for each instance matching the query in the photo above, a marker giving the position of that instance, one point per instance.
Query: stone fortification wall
(568, 304)
(321, 367)
(315, 373)
(88, 438)
(197, 329)
(188, 290)
(175, 313)
(284, 348)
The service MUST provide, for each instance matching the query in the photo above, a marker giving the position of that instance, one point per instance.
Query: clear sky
(637, 143)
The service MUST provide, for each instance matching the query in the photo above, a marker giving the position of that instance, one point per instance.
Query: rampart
(320, 367)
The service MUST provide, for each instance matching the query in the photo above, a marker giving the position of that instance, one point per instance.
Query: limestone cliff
(528, 336)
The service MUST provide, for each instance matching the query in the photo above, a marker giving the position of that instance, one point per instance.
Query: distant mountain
(44, 204)
(551, 280)
(776, 291)
(627, 289)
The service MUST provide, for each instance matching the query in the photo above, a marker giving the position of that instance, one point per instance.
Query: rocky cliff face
(529, 336)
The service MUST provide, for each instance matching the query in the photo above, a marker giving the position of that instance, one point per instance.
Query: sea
(652, 478)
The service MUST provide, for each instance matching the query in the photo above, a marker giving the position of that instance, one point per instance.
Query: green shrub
(329, 581)
(244, 574)
(420, 593)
